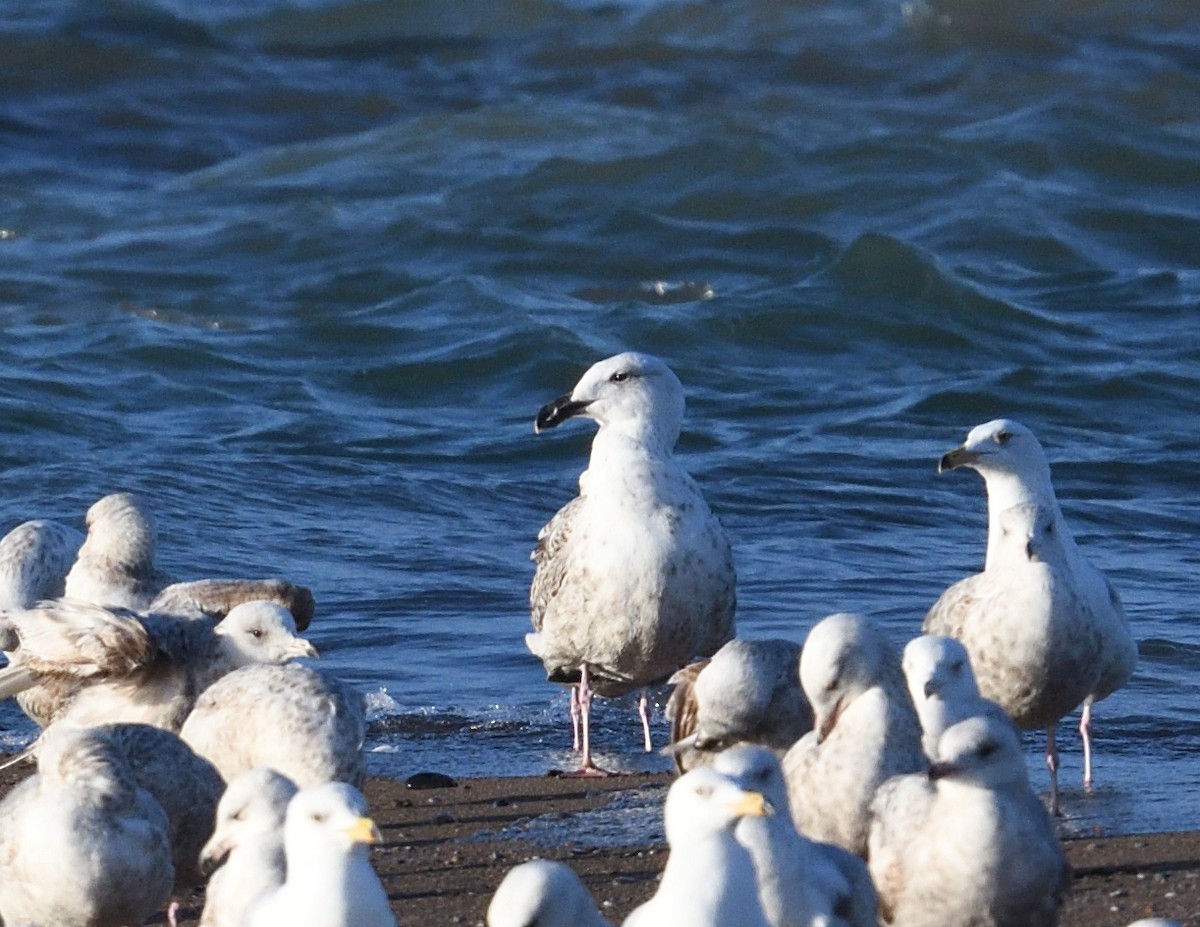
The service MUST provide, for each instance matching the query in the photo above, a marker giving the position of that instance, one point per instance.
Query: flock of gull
(838, 782)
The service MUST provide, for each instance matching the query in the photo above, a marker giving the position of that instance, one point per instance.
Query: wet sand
(446, 849)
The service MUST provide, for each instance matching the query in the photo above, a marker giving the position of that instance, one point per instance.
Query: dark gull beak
(959, 457)
(941, 771)
(553, 414)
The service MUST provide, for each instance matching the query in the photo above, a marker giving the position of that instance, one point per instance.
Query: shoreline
(446, 849)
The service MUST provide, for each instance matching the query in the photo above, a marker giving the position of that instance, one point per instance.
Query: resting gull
(306, 724)
(866, 730)
(1045, 629)
(800, 883)
(635, 575)
(330, 882)
(943, 688)
(970, 843)
(95, 665)
(709, 877)
(34, 559)
(543, 893)
(748, 692)
(115, 565)
(245, 853)
(81, 843)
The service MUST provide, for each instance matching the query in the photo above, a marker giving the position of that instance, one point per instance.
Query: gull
(969, 843)
(748, 692)
(305, 724)
(866, 730)
(245, 852)
(800, 883)
(634, 577)
(942, 686)
(543, 893)
(34, 559)
(81, 843)
(94, 665)
(1045, 629)
(330, 882)
(709, 877)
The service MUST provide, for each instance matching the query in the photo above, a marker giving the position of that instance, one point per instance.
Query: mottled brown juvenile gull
(34, 559)
(245, 852)
(216, 597)
(943, 688)
(81, 843)
(306, 724)
(866, 730)
(635, 575)
(543, 893)
(1045, 629)
(94, 665)
(800, 883)
(748, 692)
(709, 877)
(330, 882)
(970, 843)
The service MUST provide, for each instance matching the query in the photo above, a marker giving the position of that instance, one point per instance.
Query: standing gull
(543, 893)
(330, 882)
(969, 843)
(635, 575)
(306, 724)
(81, 843)
(245, 853)
(1045, 629)
(709, 877)
(866, 730)
(943, 688)
(749, 692)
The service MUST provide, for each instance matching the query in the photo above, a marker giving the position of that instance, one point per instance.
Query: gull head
(844, 655)
(251, 810)
(756, 769)
(121, 530)
(938, 667)
(999, 447)
(981, 751)
(542, 893)
(633, 393)
(262, 632)
(327, 820)
(704, 803)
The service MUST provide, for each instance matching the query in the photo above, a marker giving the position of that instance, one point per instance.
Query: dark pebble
(430, 780)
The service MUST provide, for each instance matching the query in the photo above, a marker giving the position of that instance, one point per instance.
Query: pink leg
(1085, 731)
(173, 912)
(587, 766)
(1052, 765)
(644, 714)
(574, 708)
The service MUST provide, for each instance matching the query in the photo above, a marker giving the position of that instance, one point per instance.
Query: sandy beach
(446, 849)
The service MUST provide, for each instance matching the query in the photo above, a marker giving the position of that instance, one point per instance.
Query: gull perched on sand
(1045, 629)
(800, 883)
(543, 893)
(635, 575)
(245, 853)
(81, 843)
(866, 730)
(330, 882)
(943, 688)
(969, 843)
(303, 723)
(34, 559)
(748, 692)
(709, 877)
(94, 665)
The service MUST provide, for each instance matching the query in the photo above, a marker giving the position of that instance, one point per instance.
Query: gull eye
(704, 791)
(620, 376)
(257, 633)
(319, 816)
(988, 749)
(1003, 437)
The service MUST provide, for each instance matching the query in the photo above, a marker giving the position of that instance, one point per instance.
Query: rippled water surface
(301, 274)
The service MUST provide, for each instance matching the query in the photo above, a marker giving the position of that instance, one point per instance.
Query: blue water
(302, 273)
